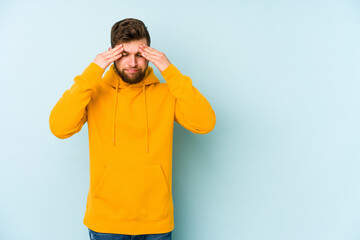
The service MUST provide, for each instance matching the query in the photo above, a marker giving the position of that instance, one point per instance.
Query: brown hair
(127, 30)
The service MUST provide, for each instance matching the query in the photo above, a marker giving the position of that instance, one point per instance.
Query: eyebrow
(128, 53)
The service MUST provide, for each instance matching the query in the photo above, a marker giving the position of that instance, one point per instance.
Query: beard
(131, 78)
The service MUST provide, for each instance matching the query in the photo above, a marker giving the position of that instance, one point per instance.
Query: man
(130, 117)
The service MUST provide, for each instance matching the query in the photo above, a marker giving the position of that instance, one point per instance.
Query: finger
(152, 54)
(120, 50)
(113, 58)
(116, 57)
(119, 45)
(113, 49)
(149, 55)
(110, 54)
(113, 52)
(144, 54)
(116, 48)
(151, 50)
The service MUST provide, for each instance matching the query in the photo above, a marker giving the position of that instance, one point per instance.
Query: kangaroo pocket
(133, 193)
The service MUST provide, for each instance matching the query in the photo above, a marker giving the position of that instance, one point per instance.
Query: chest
(130, 109)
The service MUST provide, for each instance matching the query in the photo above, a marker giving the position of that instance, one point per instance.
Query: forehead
(133, 46)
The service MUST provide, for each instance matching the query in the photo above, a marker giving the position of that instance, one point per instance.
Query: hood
(114, 80)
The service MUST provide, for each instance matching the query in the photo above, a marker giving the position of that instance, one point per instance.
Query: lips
(131, 70)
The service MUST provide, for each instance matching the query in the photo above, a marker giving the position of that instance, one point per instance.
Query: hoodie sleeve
(70, 113)
(192, 110)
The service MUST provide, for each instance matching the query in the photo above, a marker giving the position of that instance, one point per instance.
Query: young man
(130, 117)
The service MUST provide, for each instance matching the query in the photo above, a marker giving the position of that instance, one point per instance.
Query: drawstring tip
(113, 142)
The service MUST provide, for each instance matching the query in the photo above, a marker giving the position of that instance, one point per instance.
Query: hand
(157, 58)
(104, 59)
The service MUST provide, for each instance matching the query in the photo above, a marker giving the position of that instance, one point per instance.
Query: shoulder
(160, 90)
(160, 86)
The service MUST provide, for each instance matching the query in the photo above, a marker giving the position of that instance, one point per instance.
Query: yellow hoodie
(130, 131)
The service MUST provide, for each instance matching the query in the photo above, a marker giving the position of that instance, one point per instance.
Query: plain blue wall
(283, 78)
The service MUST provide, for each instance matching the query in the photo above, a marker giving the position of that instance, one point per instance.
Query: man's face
(131, 66)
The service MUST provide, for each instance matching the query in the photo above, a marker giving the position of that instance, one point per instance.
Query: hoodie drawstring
(146, 116)
(117, 87)
(146, 121)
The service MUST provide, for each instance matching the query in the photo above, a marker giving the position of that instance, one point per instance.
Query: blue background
(283, 78)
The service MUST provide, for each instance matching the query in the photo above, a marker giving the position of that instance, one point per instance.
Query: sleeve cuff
(91, 75)
(170, 70)
(175, 79)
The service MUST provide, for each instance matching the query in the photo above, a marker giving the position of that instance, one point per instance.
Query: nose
(132, 61)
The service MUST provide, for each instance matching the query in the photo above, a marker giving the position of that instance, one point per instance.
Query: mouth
(131, 70)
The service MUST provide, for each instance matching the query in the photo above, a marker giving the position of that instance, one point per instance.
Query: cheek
(143, 61)
(119, 63)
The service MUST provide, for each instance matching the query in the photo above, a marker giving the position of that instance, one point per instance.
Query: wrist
(164, 67)
(100, 65)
